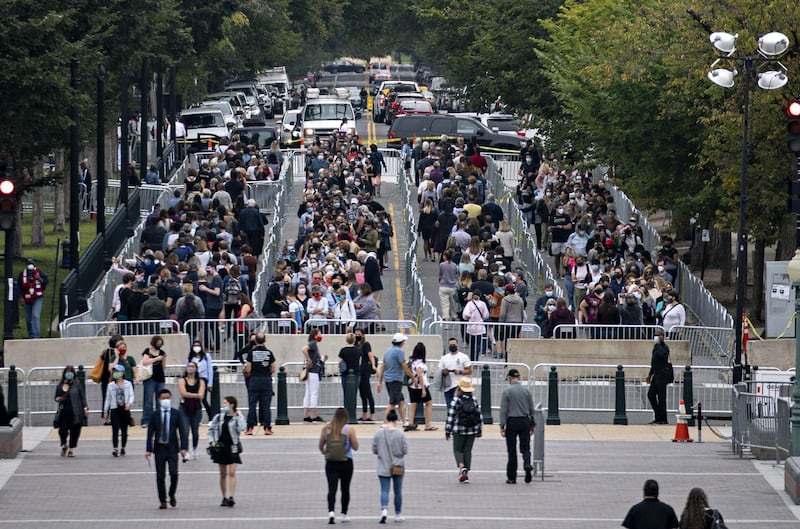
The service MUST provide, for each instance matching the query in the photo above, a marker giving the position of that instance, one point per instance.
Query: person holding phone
(454, 365)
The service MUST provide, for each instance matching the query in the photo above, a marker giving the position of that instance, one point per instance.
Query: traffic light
(793, 125)
(8, 204)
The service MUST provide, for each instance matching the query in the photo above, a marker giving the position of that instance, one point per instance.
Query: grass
(45, 257)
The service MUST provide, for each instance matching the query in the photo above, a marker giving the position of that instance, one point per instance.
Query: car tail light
(521, 133)
(392, 134)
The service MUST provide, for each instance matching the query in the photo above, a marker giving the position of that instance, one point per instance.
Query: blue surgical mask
(69, 375)
(165, 404)
(595, 268)
(225, 410)
(548, 293)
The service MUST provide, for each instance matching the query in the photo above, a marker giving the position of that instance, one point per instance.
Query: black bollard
(552, 398)
(486, 395)
(12, 405)
(699, 422)
(82, 382)
(282, 418)
(215, 391)
(350, 396)
(688, 393)
(619, 407)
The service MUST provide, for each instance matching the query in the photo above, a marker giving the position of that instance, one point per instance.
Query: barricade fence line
(607, 332)
(492, 332)
(761, 424)
(369, 326)
(591, 387)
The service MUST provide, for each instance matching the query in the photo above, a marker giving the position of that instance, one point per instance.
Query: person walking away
(337, 441)
(516, 421)
(698, 514)
(32, 283)
(119, 400)
(393, 369)
(72, 411)
(315, 366)
(166, 436)
(223, 434)
(379, 165)
(419, 391)
(155, 357)
(369, 366)
(260, 366)
(464, 424)
(658, 379)
(448, 277)
(349, 360)
(651, 513)
(476, 312)
(453, 366)
(512, 310)
(192, 389)
(391, 447)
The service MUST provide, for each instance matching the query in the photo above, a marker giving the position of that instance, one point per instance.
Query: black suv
(432, 127)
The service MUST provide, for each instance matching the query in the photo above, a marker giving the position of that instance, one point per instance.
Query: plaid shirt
(452, 426)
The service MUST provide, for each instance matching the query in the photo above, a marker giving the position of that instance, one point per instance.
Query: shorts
(415, 395)
(557, 248)
(395, 392)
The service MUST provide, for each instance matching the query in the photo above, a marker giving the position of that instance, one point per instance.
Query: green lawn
(45, 257)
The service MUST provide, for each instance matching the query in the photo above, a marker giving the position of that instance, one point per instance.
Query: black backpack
(232, 290)
(468, 415)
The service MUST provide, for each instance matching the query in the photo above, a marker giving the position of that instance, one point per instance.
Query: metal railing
(494, 331)
(88, 329)
(761, 424)
(591, 387)
(226, 337)
(712, 345)
(607, 332)
(694, 294)
(370, 326)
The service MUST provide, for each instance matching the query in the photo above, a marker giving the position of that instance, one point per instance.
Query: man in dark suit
(164, 433)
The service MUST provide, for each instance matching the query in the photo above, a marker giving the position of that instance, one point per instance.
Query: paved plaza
(593, 473)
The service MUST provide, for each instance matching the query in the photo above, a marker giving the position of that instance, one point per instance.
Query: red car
(407, 107)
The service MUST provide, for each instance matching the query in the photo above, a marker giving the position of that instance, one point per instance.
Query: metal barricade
(591, 387)
(606, 332)
(508, 165)
(757, 420)
(226, 337)
(494, 331)
(370, 326)
(392, 159)
(88, 329)
(713, 345)
(265, 194)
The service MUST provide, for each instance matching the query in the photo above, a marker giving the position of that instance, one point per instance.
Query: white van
(323, 115)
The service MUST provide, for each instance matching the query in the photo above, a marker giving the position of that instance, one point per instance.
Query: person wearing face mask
(32, 283)
(590, 305)
(658, 379)
(369, 366)
(452, 367)
(315, 367)
(578, 240)
(349, 360)
(117, 406)
(673, 314)
(72, 411)
(260, 366)
(560, 227)
(166, 436)
(155, 357)
(630, 310)
(204, 371)
(541, 314)
(128, 363)
(344, 311)
(662, 271)
(192, 389)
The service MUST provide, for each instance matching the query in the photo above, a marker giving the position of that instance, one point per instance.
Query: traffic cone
(682, 425)
(209, 144)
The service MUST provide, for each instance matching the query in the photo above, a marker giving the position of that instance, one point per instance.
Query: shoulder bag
(304, 372)
(145, 371)
(397, 470)
(96, 374)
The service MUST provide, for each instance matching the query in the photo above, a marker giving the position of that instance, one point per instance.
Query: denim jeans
(193, 424)
(151, 389)
(398, 492)
(33, 314)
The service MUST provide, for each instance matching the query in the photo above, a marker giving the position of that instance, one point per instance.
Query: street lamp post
(770, 47)
(792, 467)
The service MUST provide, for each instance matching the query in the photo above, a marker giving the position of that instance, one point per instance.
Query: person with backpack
(698, 514)
(337, 441)
(464, 424)
(232, 287)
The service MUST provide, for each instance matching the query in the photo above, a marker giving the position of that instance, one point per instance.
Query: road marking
(398, 288)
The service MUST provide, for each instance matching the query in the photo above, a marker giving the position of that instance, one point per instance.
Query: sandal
(431, 428)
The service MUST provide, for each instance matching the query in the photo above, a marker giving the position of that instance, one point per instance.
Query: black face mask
(453, 348)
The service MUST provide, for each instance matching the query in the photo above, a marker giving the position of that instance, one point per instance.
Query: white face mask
(165, 404)
(560, 211)
(660, 268)
(197, 348)
(31, 267)
(656, 339)
(548, 293)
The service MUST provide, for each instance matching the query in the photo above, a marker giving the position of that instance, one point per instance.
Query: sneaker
(115, 453)
(462, 476)
(317, 419)
(528, 474)
(195, 457)
(224, 502)
(331, 517)
(122, 451)
(384, 514)
(345, 518)
(267, 430)
(64, 451)
(231, 503)
(307, 419)
(399, 518)
(249, 431)
(70, 453)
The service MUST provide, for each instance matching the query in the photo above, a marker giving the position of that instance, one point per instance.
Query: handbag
(145, 372)
(304, 373)
(670, 373)
(213, 450)
(396, 470)
(57, 418)
(132, 421)
(96, 374)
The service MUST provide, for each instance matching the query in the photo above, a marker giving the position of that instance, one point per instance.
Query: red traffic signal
(793, 125)
(8, 204)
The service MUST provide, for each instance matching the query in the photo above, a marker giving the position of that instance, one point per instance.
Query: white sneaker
(384, 514)
(345, 518)
(331, 517)
(399, 518)
(194, 455)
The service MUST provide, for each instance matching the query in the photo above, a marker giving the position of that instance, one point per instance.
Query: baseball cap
(399, 337)
(512, 373)
(119, 367)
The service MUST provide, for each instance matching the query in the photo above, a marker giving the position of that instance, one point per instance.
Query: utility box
(780, 297)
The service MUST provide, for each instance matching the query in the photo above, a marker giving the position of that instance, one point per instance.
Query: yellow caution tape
(752, 329)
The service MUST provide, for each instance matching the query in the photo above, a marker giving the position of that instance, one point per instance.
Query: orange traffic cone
(682, 426)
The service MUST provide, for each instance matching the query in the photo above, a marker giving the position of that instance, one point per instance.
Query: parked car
(412, 107)
(395, 99)
(340, 66)
(379, 71)
(381, 99)
(231, 119)
(290, 128)
(236, 99)
(204, 124)
(453, 127)
(502, 124)
(261, 136)
(323, 115)
(250, 92)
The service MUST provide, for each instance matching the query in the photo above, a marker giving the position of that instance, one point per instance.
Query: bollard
(350, 396)
(486, 395)
(699, 422)
(82, 382)
(282, 418)
(11, 405)
(552, 398)
(215, 398)
(688, 391)
(619, 405)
